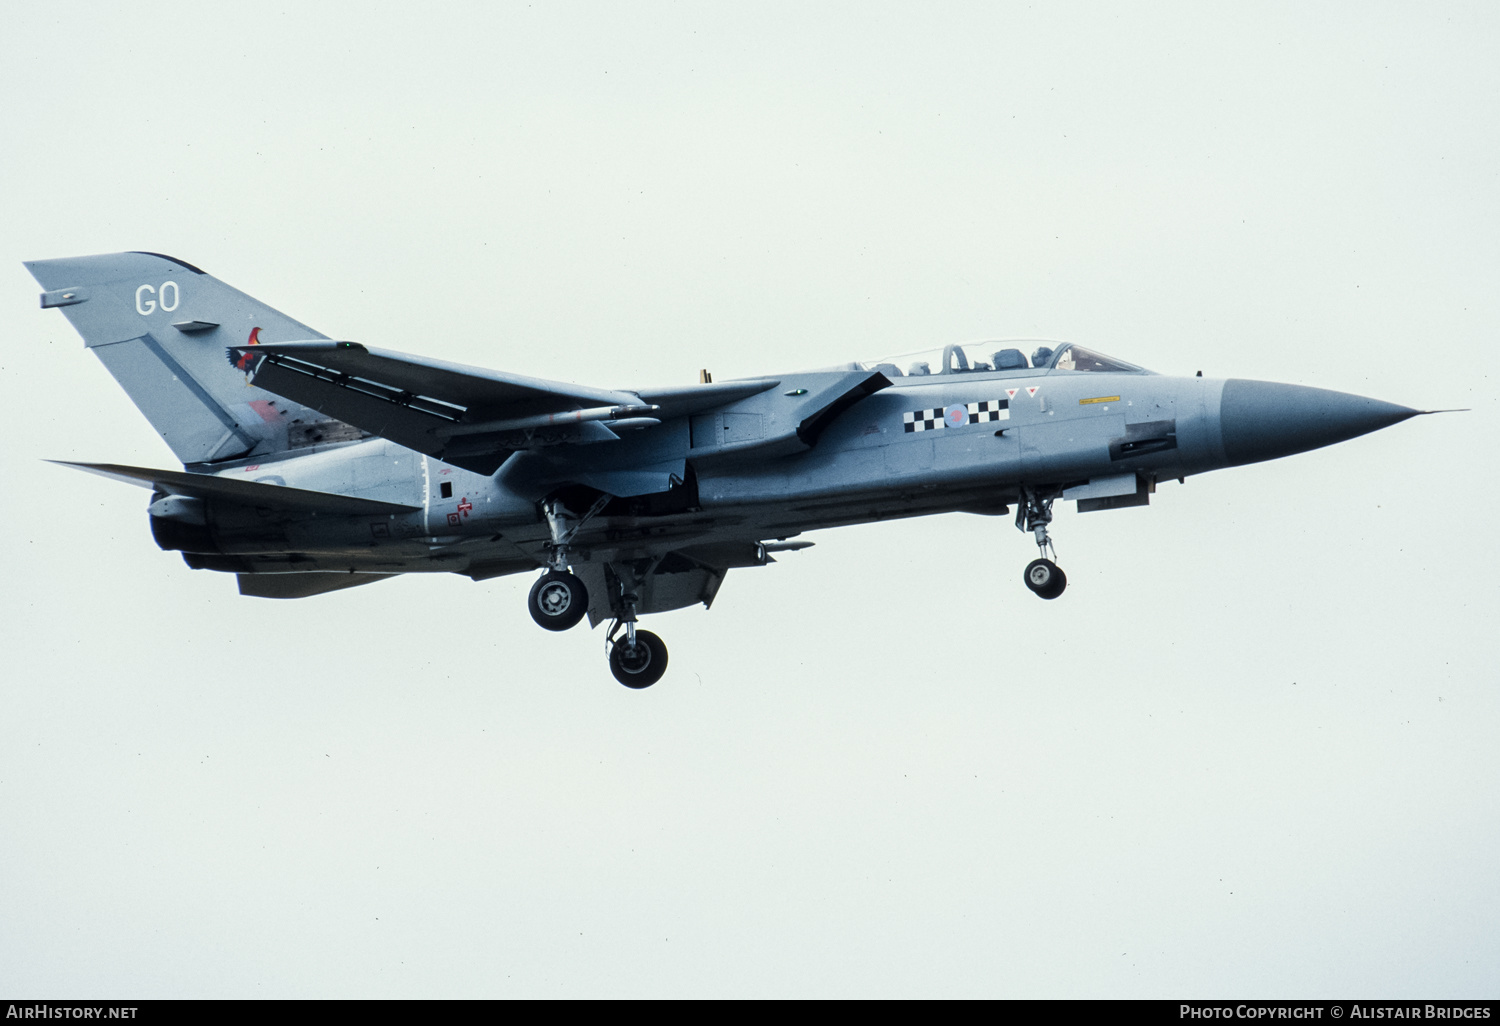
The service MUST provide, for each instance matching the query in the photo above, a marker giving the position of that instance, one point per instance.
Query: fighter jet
(311, 464)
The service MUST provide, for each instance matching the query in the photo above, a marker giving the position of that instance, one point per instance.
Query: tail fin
(160, 326)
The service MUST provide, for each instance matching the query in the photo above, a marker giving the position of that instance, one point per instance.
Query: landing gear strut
(1043, 576)
(563, 524)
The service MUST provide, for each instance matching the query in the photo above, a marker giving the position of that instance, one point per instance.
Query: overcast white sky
(1251, 751)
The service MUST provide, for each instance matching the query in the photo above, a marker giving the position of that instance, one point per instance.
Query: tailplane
(161, 326)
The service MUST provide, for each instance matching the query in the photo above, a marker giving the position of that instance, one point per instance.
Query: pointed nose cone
(1262, 420)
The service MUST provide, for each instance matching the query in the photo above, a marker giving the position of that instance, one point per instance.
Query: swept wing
(467, 416)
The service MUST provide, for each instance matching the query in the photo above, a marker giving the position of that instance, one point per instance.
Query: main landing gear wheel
(558, 600)
(641, 665)
(1045, 578)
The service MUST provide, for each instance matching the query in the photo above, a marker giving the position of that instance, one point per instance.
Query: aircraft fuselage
(1057, 431)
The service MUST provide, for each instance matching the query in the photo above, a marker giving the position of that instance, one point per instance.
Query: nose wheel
(1045, 578)
(1042, 576)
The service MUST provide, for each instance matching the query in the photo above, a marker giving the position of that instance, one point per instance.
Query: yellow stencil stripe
(1100, 399)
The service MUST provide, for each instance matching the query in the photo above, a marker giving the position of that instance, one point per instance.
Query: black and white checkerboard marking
(989, 410)
(923, 420)
(978, 413)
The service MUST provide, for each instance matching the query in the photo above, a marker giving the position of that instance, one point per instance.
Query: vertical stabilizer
(161, 326)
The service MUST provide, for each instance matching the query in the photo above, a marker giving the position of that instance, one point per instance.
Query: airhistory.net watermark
(47, 1011)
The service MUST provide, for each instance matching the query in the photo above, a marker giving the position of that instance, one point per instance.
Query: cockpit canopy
(992, 357)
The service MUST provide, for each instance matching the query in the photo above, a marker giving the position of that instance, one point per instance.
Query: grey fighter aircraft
(311, 465)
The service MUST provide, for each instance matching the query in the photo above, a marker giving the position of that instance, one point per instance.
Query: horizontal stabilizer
(290, 586)
(245, 493)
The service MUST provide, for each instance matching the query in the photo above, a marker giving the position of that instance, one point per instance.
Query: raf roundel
(956, 415)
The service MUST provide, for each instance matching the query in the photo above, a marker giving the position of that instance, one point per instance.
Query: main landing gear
(559, 600)
(1043, 576)
(637, 658)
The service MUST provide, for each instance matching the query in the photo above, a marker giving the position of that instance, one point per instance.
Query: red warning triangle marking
(1032, 390)
(1010, 393)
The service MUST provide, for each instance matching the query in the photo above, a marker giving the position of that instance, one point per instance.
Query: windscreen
(1077, 358)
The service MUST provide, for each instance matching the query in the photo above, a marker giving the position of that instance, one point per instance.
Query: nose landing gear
(1042, 575)
(1045, 578)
